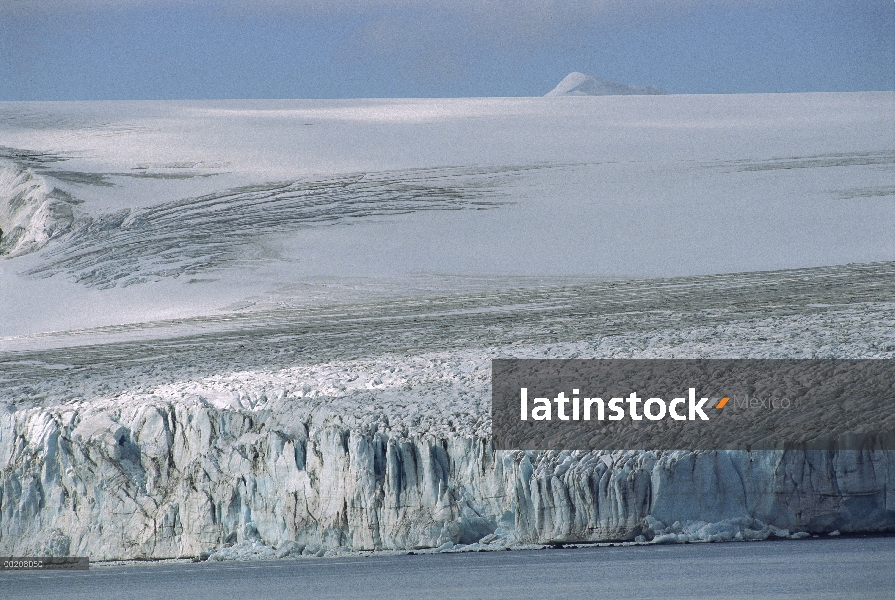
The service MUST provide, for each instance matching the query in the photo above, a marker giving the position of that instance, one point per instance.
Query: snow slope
(581, 84)
(214, 205)
(248, 328)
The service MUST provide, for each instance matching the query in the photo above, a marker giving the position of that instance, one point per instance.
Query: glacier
(264, 329)
(391, 450)
(175, 479)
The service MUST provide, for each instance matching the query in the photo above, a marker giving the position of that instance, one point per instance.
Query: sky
(229, 49)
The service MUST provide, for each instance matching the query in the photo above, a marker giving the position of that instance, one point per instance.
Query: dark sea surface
(813, 568)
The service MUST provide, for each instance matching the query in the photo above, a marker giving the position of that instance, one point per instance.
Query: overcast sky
(157, 49)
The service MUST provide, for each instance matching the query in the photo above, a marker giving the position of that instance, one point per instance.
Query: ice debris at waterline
(161, 478)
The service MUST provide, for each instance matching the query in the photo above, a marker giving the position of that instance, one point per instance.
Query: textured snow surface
(264, 329)
(365, 439)
(136, 212)
(31, 211)
(581, 84)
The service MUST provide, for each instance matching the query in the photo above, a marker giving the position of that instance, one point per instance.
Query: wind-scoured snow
(581, 84)
(262, 329)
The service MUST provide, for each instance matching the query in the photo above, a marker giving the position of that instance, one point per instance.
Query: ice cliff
(302, 430)
(179, 478)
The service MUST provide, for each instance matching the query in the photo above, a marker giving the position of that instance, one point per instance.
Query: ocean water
(813, 568)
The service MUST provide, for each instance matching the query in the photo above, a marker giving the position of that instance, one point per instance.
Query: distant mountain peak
(582, 84)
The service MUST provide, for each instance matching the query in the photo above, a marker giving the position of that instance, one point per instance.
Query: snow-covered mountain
(581, 84)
